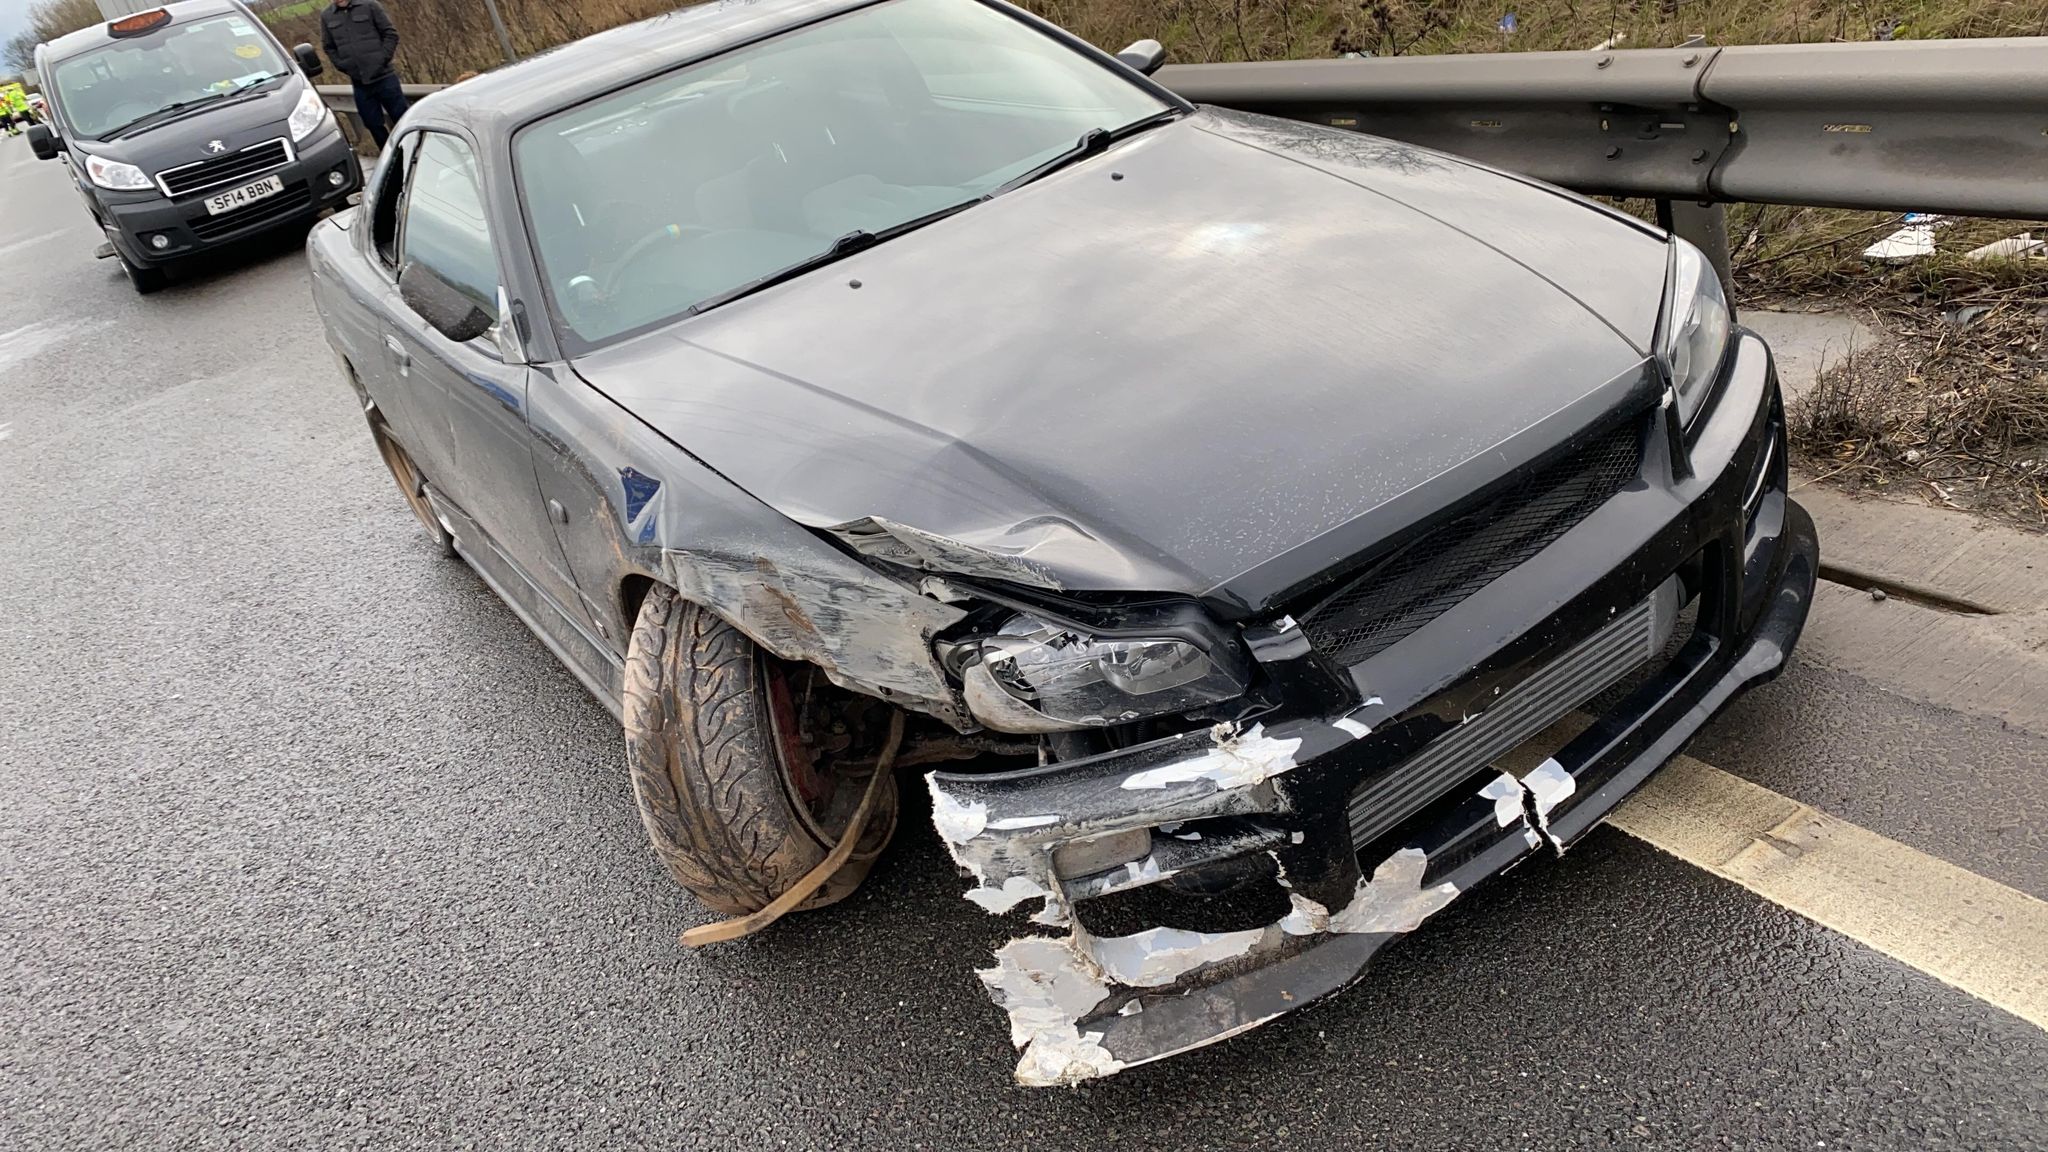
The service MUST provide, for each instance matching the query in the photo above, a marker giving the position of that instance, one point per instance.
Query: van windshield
(108, 89)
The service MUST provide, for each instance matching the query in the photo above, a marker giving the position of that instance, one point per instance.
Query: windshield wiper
(856, 241)
(252, 81)
(166, 110)
(181, 105)
(841, 248)
(1091, 143)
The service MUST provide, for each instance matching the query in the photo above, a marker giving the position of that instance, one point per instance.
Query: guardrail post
(504, 37)
(1706, 225)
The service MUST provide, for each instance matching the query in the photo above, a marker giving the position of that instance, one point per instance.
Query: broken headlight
(1692, 335)
(1096, 681)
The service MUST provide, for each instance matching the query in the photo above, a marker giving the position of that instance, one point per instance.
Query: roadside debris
(1911, 242)
(2010, 248)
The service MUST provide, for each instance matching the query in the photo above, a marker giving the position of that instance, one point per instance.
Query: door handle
(400, 358)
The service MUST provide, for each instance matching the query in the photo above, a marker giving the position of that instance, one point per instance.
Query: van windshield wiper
(1092, 142)
(856, 241)
(166, 110)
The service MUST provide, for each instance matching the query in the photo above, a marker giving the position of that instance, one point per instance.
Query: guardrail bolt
(1692, 60)
(1603, 62)
(1699, 156)
(1613, 152)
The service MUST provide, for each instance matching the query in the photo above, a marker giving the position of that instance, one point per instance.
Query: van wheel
(739, 804)
(143, 280)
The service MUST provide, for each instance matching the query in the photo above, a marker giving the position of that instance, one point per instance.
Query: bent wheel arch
(726, 811)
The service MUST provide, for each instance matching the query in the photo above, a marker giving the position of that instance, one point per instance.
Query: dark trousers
(377, 100)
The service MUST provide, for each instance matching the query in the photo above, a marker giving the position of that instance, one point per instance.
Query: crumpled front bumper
(1271, 804)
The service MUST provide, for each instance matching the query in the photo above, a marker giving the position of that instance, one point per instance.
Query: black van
(187, 127)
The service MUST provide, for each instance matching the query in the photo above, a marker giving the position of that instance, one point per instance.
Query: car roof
(95, 35)
(500, 101)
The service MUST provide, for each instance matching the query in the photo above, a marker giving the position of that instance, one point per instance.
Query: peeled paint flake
(1239, 760)
(1138, 873)
(1045, 987)
(1159, 956)
(1015, 890)
(1352, 728)
(1506, 793)
(957, 823)
(1549, 785)
(1013, 823)
(1394, 900)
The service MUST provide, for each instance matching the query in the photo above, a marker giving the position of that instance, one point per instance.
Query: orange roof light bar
(139, 23)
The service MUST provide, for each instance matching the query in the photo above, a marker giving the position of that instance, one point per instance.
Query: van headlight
(1692, 334)
(309, 116)
(116, 175)
(1095, 682)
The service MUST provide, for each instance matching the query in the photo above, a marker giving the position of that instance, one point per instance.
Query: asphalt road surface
(306, 843)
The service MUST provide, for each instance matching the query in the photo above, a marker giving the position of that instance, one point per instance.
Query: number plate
(234, 198)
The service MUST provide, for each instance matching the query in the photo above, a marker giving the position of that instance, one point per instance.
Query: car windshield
(107, 89)
(689, 188)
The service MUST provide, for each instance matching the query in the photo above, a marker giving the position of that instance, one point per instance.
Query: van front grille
(220, 171)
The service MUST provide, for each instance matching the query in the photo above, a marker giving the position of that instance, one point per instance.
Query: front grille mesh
(1424, 578)
(1598, 663)
(228, 169)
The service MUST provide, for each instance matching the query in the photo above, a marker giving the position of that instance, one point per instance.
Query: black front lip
(130, 216)
(1752, 561)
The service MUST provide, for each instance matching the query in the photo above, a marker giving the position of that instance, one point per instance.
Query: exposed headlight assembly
(1692, 334)
(1077, 680)
(116, 175)
(308, 116)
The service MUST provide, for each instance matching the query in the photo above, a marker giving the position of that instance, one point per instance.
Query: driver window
(384, 207)
(443, 225)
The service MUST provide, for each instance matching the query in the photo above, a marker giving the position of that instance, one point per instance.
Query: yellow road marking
(1975, 934)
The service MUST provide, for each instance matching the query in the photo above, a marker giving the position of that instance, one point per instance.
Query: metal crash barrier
(1950, 126)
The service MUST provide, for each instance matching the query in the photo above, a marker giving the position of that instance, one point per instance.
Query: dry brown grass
(1952, 403)
(441, 39)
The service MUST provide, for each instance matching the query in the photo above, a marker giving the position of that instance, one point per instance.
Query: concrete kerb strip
(1933, 553)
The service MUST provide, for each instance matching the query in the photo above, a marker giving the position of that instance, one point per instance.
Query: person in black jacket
(361, 40)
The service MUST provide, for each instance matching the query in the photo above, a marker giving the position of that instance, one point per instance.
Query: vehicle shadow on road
(209, 269)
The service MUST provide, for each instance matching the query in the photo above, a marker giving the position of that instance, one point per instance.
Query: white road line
(1975, 934)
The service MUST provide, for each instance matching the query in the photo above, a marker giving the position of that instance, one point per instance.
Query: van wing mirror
(42, 141)
(1144, 55)
(441, 304)
(309, 60)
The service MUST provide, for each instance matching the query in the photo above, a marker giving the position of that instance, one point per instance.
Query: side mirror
(1145, 55)
(441, 304)
(309, 60)
(42, 141)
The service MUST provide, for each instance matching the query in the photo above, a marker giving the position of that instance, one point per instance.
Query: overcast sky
(13, 18)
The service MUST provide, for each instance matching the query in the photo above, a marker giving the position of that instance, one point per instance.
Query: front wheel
(729, 747)
(143, 279)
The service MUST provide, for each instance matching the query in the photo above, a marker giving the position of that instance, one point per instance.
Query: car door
(364, 333)
(478, 390)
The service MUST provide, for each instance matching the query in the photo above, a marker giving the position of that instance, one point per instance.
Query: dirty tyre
(703, 746)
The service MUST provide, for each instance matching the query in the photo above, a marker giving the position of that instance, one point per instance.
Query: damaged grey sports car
(845, 386)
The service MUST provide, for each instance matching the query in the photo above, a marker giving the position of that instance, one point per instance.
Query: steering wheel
(638, 250)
